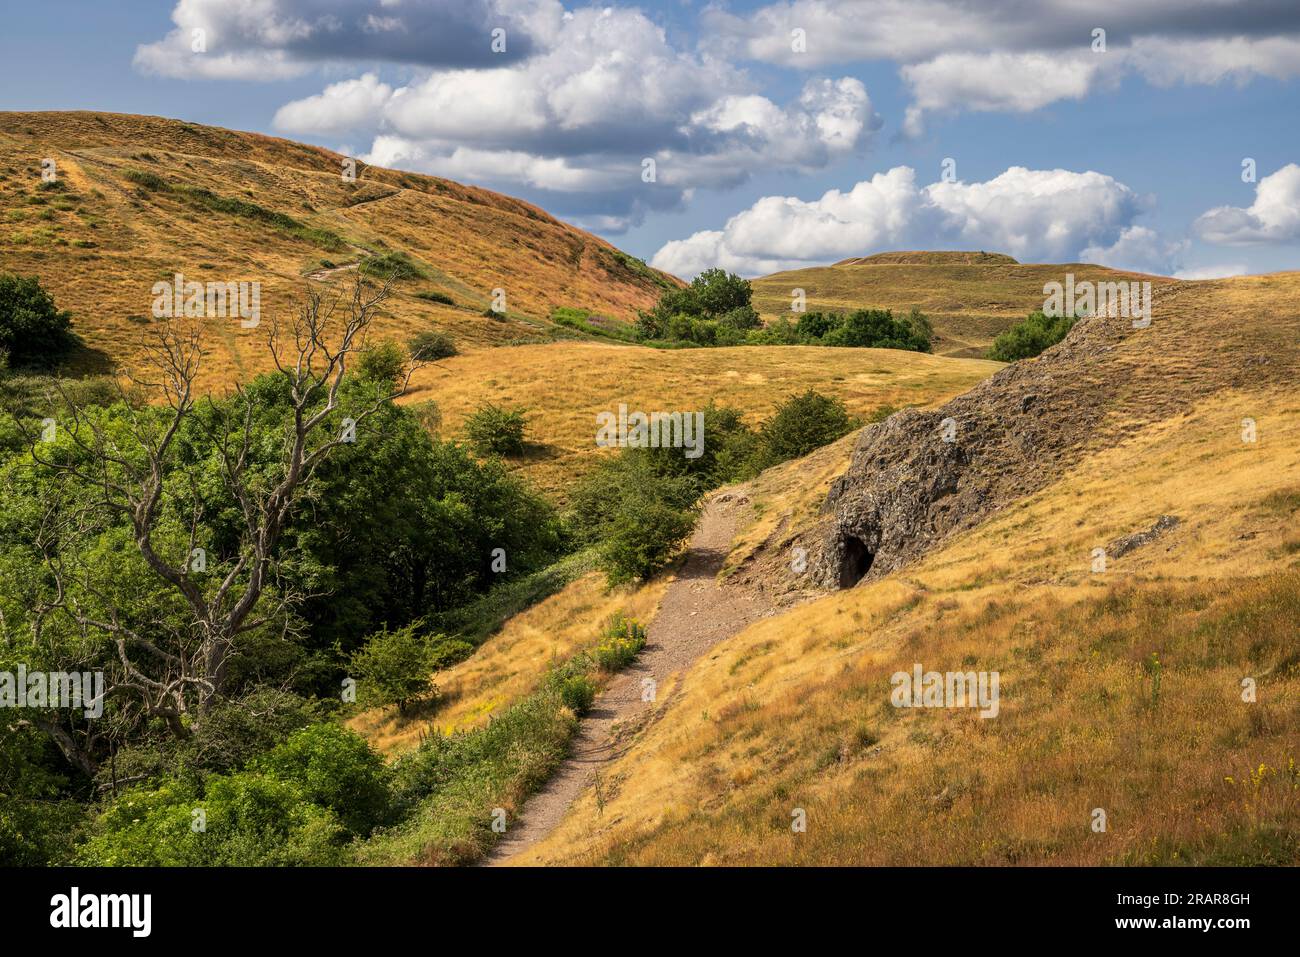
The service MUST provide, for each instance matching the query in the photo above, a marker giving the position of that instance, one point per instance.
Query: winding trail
(695, 614)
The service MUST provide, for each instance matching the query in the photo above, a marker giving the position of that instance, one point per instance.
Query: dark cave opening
(856, 561)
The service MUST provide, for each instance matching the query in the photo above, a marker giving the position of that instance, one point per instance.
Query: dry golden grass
(512, 662)
(101, 241)
(969, 298)
(794, 711)
(564, 385)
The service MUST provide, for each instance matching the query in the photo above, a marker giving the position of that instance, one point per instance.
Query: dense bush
(714, 299)
(393, 266)
(639, 507)
(431, 345)
(247, 819)
(876, 329)
(802, 424)
(493, 430)
(334, 768)
(394, 667)
(298, 803)
(383, 362)
(433, 295)
(644, 536)
(715, 310)
(32, 328)
(38, 823)
(578, 692)
(1031, 337)
(622, 642)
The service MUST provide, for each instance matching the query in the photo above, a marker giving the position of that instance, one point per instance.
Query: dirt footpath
(695, 614)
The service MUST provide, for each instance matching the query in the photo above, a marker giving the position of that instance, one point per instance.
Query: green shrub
(802, 424)
(148, 179)
(32, 328)
(644, 537)
(779, 332)
(1031, 337)
(493, 430)
(694, 313)
(249, 819)
(432, 345)
(433, 295)
(392, 266)
(445, 651)
(382, 362)
(334, 768)
(878, 329)
(578, 692)
(394, 667)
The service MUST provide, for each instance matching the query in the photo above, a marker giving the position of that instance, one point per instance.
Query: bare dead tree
(177, 664)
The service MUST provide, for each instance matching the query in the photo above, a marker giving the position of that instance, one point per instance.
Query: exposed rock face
(919, 477)
(1122, 546)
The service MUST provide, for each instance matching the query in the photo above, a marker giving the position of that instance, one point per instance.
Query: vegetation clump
(715, 310)
(32, 328)
(432, 345)
(495, 430)
(1033, 336)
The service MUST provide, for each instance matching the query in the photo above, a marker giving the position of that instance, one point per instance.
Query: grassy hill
(1120, 690)
(970, 296)
(564, 385)
(141, 198)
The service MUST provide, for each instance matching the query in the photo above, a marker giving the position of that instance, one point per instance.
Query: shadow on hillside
(83, 361)
(535, 452)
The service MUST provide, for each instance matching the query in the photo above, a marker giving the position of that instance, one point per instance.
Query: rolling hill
(564, 384)
(970, 296)
(138, 199)
(1174, 449)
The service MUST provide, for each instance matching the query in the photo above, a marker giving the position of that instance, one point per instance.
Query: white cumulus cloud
(1139, 249)
(1274, 216)
(1034, 215)
(349, 106)
(276, 39)
(580, 118)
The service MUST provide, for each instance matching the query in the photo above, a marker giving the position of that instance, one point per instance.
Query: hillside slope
(1123, 687)
(563, 385)
(970, 296)
(140, 198)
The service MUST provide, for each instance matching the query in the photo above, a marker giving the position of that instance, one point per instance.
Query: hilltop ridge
(140, 198)
(970, 297)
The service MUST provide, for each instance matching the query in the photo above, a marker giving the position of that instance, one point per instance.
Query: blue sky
(1131, 157)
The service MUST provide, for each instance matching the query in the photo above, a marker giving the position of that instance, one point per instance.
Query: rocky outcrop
(1122, 546)
(918, 477)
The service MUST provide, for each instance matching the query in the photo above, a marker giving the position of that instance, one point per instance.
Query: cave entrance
(856, 561)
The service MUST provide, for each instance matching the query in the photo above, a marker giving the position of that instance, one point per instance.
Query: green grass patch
(479, 620)
(452, 786)
(241, 208)
(583, 321)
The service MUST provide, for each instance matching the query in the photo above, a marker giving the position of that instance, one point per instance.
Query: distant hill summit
(921, 258)
(138, 199)
(969, 296)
